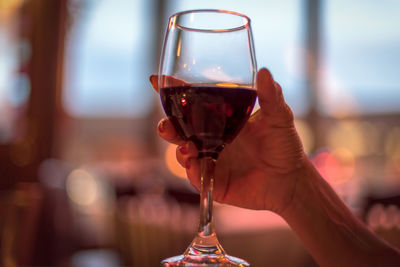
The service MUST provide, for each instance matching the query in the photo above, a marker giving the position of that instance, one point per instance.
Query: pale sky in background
(109, 51)
(361, 55)
(108, 60)
(108, 63)
(277, 29)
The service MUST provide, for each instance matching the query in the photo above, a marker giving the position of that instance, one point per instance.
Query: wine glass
(207, 88)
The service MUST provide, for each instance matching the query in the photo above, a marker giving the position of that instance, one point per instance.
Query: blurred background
(86, 181)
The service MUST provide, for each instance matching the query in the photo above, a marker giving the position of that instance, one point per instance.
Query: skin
(247, 164)
(265, 168)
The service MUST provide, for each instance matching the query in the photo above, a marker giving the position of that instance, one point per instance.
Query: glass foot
(205, 251)
(204, 260)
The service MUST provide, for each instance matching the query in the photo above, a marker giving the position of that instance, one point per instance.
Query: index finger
(167, 131)
(169, 81)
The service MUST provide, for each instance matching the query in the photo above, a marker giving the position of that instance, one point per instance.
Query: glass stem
(206, 225)
(206, 241)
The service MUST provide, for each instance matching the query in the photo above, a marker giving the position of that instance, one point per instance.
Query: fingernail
(161, 126)
(184, 149)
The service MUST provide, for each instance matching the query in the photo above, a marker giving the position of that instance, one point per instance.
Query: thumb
(271, 100)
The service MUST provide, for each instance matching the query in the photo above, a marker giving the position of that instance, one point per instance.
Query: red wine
(210, 116)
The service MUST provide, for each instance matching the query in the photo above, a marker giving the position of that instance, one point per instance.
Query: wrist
(305, 177)
(287, 187)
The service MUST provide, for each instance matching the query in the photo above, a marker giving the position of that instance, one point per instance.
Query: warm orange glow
(227, 85)
(305, 134)
(348, 134)
(392, 144)
(172, 164)
(9, 7)
(178, 50)
(392, 152)
(372, 136)
(171, 23)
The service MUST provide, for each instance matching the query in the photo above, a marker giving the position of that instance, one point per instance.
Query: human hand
(260, 168)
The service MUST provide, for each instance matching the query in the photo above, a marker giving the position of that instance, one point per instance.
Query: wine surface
(210, 116)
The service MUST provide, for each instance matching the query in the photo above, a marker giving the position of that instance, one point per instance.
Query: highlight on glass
(207, 88)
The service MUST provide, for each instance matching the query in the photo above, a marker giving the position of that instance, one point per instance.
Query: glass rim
(173, 17)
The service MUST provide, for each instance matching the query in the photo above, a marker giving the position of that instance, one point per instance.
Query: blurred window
(110, 46)
(361, 56)
(14, 82)
(109, 59)
(277, 29)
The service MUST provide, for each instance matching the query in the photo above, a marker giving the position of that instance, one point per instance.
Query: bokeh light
(380, 216)
(81, 187)
(360, 138)
(306, 135)
(375, 216)
(372, 135)
(335, 166)
(392, 149)
(346, 134)
(172, 164)
(8, 7)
